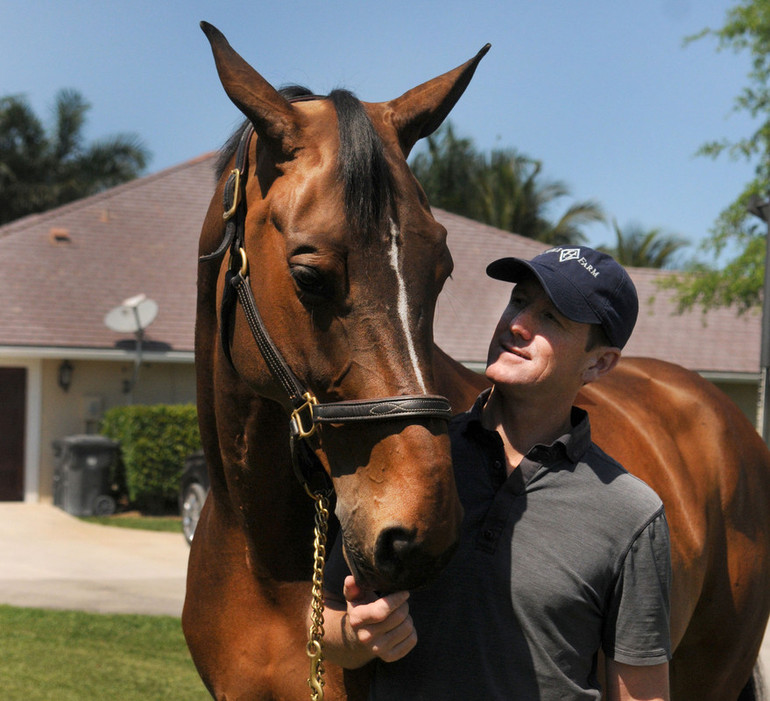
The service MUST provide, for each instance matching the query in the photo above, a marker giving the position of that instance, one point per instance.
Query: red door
(13, 391)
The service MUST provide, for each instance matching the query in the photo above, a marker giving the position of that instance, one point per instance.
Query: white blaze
(403, 305)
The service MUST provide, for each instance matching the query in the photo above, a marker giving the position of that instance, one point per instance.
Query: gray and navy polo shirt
(567, 555)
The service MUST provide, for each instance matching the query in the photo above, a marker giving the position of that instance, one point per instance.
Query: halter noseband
(305, 411)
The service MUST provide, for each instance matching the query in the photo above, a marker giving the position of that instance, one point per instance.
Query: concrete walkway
(50, 559)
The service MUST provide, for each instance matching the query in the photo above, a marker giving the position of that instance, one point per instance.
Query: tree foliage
(638, 247)
(740, 281)
(504, 188)
(41, 169)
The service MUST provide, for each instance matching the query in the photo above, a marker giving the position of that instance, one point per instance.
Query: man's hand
(364, 626)
(381, 626)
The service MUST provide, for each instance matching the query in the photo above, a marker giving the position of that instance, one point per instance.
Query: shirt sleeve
(637, 625)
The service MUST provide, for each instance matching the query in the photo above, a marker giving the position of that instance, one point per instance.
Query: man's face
(535, 347)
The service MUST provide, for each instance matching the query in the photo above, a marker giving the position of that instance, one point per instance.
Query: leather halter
(305, 411)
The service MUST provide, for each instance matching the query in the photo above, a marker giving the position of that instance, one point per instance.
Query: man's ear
(601, 361)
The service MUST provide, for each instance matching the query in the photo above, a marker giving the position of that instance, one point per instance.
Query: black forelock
(362, 165)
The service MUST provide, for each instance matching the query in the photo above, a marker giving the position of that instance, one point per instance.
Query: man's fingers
(395, 643)
(399, 648)
(389, 611)
(382, 625)
(352, 592)
(378, 618)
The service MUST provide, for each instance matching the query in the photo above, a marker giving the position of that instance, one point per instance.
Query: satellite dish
(133, 316)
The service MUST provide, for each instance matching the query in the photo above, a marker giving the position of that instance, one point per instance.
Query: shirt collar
(571, 445)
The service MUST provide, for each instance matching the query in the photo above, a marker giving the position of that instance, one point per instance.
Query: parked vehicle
(193, 489)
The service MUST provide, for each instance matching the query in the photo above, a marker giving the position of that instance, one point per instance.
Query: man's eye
(552, 316)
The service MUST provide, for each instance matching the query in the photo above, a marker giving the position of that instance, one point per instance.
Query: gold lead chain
(316, 634)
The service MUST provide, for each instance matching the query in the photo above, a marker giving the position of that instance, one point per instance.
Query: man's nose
(522, 323)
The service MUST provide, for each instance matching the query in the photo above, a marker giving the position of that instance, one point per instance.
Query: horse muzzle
(399, 563)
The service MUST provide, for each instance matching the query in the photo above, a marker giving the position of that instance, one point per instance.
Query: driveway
(53, 560)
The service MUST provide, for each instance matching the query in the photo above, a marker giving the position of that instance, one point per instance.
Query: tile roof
(62, 271)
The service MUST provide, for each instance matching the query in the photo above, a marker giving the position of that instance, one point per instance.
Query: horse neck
(457, 383)
(262, 492)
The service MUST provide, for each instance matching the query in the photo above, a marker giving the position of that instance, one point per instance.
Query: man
(563, 553)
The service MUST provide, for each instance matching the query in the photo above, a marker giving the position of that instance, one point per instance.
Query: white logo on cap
(569, 254)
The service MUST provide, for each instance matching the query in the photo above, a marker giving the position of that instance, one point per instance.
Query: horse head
(344, 263)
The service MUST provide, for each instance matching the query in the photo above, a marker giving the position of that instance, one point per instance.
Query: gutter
(75, 353)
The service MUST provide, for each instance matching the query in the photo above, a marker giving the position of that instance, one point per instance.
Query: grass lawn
(135, 520)
(76, 656)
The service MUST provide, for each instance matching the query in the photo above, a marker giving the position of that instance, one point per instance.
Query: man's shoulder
(619, 479)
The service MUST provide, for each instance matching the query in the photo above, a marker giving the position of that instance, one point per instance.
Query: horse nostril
(393, 551)
(401, 561)
(401, 543)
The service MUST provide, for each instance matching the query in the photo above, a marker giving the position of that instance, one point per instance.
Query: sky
(604, 92)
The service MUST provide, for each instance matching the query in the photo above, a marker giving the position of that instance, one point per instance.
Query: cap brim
(565, 297)
(509, 269)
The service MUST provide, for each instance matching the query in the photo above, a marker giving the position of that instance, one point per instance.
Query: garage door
(13, 389)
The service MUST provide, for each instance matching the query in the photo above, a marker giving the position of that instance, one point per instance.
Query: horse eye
(311, 283)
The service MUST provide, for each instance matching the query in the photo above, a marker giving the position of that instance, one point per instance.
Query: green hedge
(154, 441)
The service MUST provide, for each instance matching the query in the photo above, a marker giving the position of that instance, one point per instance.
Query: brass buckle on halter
(296, 416)
(244, 262)
(236, 193)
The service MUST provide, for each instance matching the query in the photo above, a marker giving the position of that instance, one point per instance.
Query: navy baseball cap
(585, 285)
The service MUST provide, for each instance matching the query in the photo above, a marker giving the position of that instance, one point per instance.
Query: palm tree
(504, 189)
(514, 198)
(645, 248)
(40, 170)
(448, 171)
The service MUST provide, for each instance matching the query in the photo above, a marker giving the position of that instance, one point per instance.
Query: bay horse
(320, 265)
(347, 297)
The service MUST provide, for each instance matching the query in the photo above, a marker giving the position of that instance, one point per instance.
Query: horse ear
(272, 115)
(420, 111)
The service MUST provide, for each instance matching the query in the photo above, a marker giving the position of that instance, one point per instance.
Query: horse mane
(362, 166)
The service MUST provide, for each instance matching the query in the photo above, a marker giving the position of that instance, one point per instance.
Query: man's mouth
(514, 350)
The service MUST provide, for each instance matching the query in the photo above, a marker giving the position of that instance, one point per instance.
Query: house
(62, 272)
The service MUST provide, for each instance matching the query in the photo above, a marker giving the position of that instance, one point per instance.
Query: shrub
(154, 441)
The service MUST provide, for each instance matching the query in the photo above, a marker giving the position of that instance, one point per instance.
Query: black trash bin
(82, 482)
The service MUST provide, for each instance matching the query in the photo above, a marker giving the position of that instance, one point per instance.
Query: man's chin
(502, 367)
